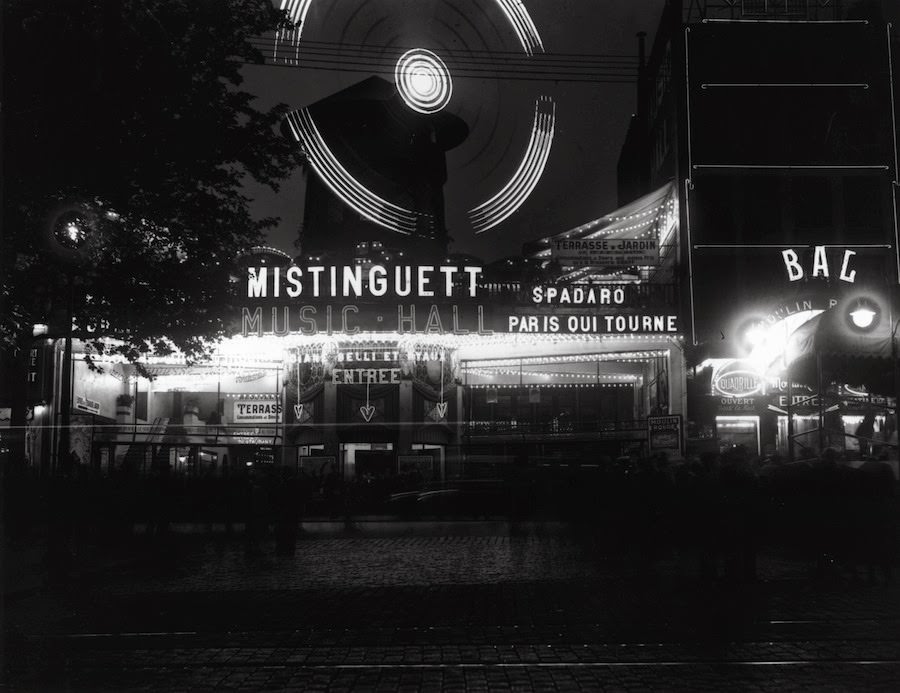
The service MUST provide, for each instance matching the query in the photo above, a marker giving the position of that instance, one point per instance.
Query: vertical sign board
(38, 380)
(664, 433)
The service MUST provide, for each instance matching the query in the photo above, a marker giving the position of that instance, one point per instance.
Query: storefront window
(734, 431)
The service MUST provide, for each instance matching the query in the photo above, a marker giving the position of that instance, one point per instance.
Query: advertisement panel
(664, 433)
(605, 252)
(261, 411)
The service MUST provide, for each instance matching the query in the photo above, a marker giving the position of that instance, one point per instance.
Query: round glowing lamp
(863, 317)
(755, 335)
(70, 229)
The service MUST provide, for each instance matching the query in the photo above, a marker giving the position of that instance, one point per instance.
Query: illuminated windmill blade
(339, 180)
(521, 22)
(288, 40)
(528, 172)
(523, 182)
(514, 193)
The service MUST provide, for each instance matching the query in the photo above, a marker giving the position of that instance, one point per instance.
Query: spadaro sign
(430, 299)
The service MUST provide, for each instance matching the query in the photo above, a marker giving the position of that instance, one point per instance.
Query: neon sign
(579, 295)
(347, 319)
(820, 265)
(735, 379)
(424, 281)
(594, 324)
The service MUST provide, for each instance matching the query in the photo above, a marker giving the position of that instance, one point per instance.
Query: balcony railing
(810, 10)
(551, 428)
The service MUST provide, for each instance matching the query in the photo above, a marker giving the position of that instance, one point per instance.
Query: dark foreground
(442, 606)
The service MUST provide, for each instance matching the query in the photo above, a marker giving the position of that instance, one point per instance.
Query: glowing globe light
(863, 317)
(423, 81)
(71, 229)
(756, 336)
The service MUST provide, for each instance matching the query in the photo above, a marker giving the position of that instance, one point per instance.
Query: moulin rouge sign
(430, 300)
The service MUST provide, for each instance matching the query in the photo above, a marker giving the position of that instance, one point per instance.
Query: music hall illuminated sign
(432, 299)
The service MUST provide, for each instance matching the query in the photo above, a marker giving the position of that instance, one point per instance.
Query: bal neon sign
(820, 265)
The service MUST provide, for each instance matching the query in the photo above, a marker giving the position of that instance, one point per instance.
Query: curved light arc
(519, 187)
(520, 181)
(342, 183)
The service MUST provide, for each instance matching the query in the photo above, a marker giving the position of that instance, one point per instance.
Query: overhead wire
(586, 78)
(568, 67)
(493, 53)
(447, 56)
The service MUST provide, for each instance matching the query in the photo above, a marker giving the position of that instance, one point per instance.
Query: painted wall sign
(605, 252)
(256, 411)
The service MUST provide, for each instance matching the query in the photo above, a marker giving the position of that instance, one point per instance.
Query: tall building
(776, 121)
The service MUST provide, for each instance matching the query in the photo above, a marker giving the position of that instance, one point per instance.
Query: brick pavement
(481, 609)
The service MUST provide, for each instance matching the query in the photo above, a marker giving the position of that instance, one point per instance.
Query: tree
(134, 109)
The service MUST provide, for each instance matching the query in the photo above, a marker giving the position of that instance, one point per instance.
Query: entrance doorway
(370, 460)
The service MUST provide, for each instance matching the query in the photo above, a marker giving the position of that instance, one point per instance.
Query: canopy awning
(654, 215)
(853, 341)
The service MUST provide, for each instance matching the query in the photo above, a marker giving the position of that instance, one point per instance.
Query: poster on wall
(664, 433)
(265, 411)
(605, 252)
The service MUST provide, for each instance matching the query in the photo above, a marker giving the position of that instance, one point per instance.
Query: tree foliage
(134, 109)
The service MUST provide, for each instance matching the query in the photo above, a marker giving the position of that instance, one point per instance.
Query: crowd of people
(724, 507)
(719, 507)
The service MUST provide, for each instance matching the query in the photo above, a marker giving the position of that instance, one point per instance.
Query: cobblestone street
(471, 606)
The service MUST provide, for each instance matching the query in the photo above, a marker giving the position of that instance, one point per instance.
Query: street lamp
(68, 231)
(864, 314)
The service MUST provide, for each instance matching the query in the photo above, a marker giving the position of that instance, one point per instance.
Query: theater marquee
(435, 300)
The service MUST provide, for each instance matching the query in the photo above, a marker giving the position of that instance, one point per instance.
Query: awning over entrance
(852, 340)
(653, 216)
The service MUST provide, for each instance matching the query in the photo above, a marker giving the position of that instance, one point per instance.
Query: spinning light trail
(342, 183)
(423, 81)
(513, 195)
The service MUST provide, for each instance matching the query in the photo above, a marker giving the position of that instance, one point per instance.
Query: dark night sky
(579, 182)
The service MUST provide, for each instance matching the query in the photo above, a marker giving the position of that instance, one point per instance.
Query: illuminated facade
(776, 122)
(375, 353)
(437, 371)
